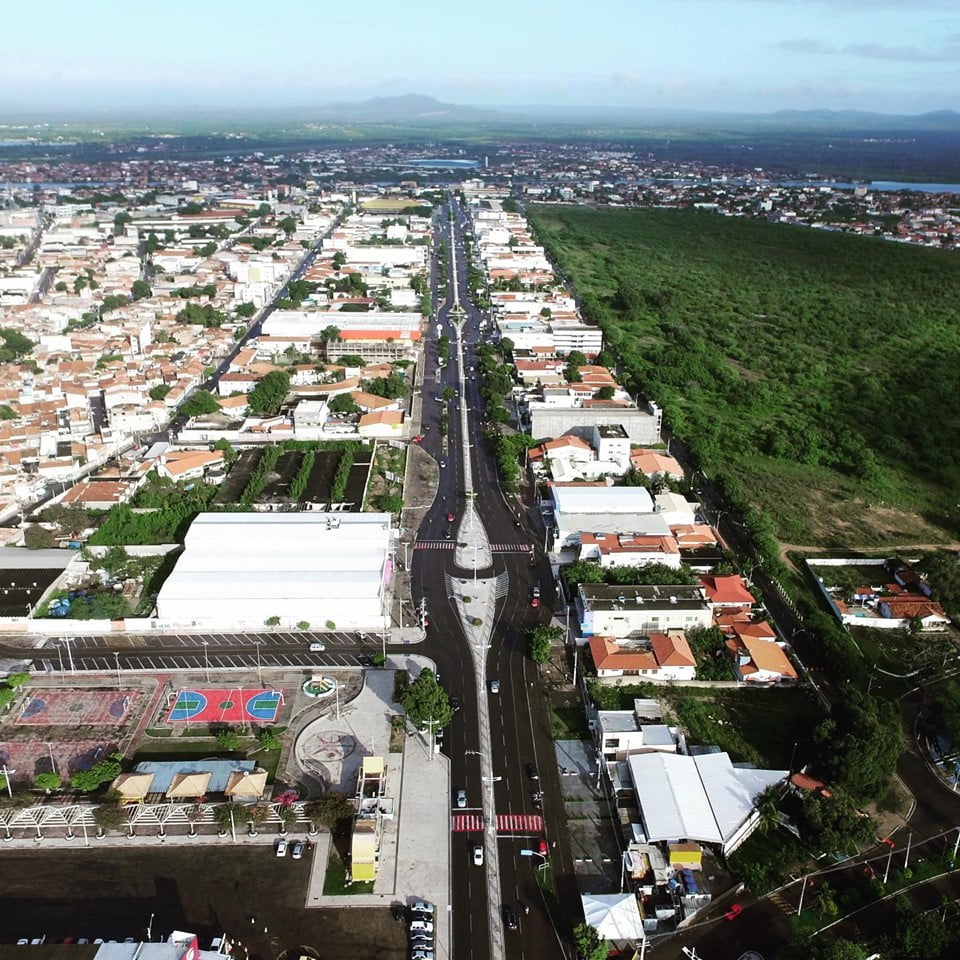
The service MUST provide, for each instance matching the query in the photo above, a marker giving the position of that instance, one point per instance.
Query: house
(621, 611)
(381, 423)
(728, 592)
(628, 550)
(191, 465)
(758, 660)
(663, 657)
(675, 508)
(655, 465)
(910, 606)
(99, 494)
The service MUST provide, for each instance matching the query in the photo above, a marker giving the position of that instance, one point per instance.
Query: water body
(442, 163)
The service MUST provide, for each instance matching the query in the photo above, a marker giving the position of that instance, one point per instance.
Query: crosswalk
(782, 903)
(450, 545)
(524, 823)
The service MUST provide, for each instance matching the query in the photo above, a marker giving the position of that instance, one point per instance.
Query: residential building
(620, 612)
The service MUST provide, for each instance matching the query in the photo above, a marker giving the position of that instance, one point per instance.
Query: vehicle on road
(449, 518)
(478, 856)
(281, 847)
(418, 438)
(455, 704)
(298, 848)
(317, 647)
(494, 686)
(461, 798)
(510, 918)
(446, 534)
(443, 463)
(365, 660)
(542, 847)
(534, 601)
(734, 911)
(532, 772)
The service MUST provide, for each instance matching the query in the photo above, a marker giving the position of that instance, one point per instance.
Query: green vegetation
(539, 641)
(585, 571)
(199, 404)
(424, 700)
(163, 524)
(335, 883)
(268, 395)
(15, 345)
(340, 479)
(258, 478)
(800, 367)
(299, 485)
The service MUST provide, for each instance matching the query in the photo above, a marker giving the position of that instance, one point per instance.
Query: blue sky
(753, 55)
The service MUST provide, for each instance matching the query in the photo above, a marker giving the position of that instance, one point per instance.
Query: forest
(813, 375)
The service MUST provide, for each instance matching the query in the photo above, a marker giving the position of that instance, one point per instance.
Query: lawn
(335, 879)
(568, 720)
(799, 366)
(753, 726)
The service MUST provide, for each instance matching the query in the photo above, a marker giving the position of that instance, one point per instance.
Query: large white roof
(280, 556)
(602, 499)
(704, 798)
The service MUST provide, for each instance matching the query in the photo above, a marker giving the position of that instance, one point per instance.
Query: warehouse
(242, 569)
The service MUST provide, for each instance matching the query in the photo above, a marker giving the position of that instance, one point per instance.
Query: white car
(422, 955)
(421, 926)
(478, 856)
(422, 906)
(461, 798)
(317, 647)
(281, 847)
(494, 686)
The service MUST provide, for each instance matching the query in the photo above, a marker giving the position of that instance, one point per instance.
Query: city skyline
(712, 55)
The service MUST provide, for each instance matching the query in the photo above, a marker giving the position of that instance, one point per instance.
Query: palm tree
(259, 814)
(767, 807)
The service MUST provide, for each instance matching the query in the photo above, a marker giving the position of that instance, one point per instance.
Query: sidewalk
(415, 845)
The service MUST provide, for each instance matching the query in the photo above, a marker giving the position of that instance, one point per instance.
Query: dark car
(365, 660)
(510, 918)
(454, 704)
(532, 772)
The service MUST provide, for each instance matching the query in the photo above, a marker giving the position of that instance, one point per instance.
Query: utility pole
(116, 658)
(259, 673)
(803, 888)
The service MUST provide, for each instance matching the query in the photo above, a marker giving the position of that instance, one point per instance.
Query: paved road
(519, 723)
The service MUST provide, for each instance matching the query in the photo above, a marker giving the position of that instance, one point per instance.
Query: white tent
(614, 916)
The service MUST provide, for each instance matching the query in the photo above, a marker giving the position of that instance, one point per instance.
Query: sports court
(70, 708)
(24, 759)
(226, 706)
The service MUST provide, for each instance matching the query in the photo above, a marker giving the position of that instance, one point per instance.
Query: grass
(754, 726)
(569, 723)
(335, 879)
(798, 365)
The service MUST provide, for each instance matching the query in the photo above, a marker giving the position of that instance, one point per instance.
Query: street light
(206, 659)
(116, 658)
(257, 641)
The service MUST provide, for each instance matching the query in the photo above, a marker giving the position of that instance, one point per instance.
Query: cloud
(947, 52)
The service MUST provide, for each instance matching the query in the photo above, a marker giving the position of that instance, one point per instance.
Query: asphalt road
(520, 731)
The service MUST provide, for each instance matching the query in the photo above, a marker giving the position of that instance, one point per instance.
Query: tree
(229, 816)
(859, 745)
(199, 403)
(303, 624)
(140, 290)
(945, 710)
(588, 943)
(271, 622)
(18, 679)
(36, 537)
(258, 814)
(268, 740)
(288, 225)
(160, 391)
(246, 310)
(539, 641)
(48, 781)
(918, 936)
(109, 816)
(228, 740)
(268, 395)
(343, 403)
(329, 809)
(605, 393)
(425, 700)
(7, 412)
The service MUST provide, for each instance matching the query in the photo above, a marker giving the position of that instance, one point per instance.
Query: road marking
(522, 822)
(466, 823)
(434, 545)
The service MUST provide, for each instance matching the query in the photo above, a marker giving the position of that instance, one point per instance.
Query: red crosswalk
(519, 823)
(467, 823)
(506, 823)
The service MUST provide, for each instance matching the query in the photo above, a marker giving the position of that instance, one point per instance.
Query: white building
(704, 798)
(603, 510)
(240, 569)
(621, 611)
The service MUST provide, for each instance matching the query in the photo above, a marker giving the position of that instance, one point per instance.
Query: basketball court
(226, 706)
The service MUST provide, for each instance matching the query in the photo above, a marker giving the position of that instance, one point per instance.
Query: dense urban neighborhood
(339, 527)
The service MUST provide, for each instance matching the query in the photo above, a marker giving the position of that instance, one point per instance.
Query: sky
(890, 56)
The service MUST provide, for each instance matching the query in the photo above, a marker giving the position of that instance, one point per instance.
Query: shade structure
(244, 785)
(132, 787)
(615, 916)
(188, 786)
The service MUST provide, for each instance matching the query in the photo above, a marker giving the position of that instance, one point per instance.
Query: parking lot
(115, 893)
(206, 652)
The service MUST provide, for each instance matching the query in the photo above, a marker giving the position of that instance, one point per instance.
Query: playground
(225, 706)
(71, 708)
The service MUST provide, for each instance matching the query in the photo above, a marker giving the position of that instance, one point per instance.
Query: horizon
(745, 57)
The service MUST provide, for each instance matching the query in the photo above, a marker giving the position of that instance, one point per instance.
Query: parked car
(461, 798)
(422, 926)
(298, 849)
(317, 647)
(455, 704)
(281, 847)
(422, 906)
(422, 955)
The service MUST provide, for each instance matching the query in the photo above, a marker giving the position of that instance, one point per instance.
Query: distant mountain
(406, 109)
(860, 120)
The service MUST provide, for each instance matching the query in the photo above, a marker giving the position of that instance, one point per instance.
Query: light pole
(116, 658)
(257, 643)
(67, 641)
(6, 779)
(206, 659)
